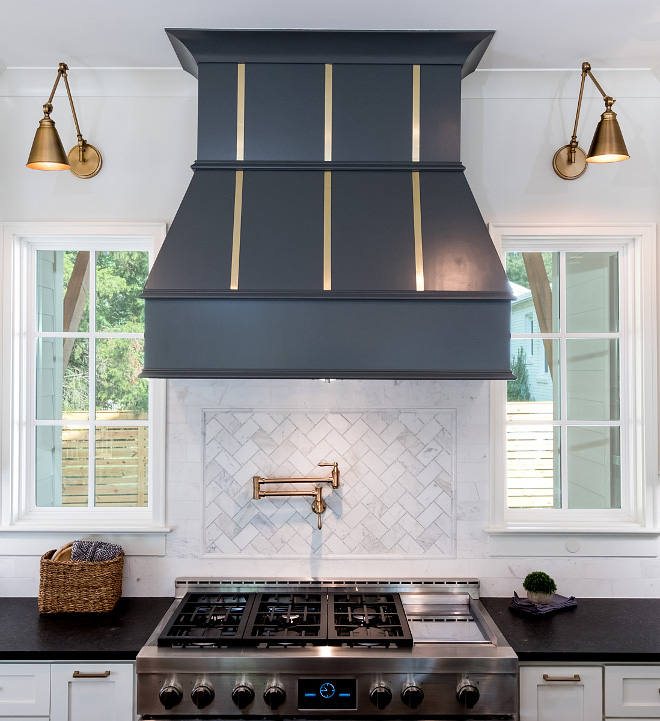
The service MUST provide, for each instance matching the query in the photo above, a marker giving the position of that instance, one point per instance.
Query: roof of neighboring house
(520, 292)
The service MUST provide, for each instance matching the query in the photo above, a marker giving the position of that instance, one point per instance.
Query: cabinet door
(561, 693)
(632, 691)
(103, 692)
(24, 689)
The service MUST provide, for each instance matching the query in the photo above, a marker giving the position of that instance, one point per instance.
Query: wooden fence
(530, 457)
(121, 461)
(121, 464)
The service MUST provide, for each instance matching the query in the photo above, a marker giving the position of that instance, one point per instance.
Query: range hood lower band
(304, 338)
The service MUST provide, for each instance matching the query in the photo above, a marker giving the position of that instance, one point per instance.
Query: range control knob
(202, 695)
(170, 695)
(412, 695)
(380, 696)
(468, 695)
(242, 695)
(274, 696)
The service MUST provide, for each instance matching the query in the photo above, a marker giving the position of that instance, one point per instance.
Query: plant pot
(539, 598)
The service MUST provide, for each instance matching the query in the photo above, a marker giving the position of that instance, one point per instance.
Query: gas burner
(202, 644)
(364, 617)
(299, 618)
(282, 617)
(223, 615)
(219, 619)
(368, 616)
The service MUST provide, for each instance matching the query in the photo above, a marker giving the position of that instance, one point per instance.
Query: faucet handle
(334, 474)
(319, 505)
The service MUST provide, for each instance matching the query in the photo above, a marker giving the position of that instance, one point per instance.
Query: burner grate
(287, 619)
(366, 619)
(208, 620)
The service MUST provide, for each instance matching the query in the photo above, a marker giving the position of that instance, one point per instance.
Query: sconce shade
(608, 145)
(47, 151)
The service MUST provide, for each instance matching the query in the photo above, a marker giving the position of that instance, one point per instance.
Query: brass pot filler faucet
(318, 504)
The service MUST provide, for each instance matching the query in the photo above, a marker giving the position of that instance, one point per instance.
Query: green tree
(518, 390)
(515, 268)
(120, 276)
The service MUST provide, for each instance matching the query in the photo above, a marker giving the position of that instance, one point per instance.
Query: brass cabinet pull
(575, 678)
(77, 674)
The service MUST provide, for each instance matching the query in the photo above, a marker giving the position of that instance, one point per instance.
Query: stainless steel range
(327, 649)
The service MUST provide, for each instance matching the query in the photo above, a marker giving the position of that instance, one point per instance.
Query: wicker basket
(79, 586)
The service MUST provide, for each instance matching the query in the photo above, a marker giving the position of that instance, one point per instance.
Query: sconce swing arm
(48, 107)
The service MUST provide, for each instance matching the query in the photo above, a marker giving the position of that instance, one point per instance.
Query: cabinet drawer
(569, 693)
(632, 691)
(99, 691)
(24, 689)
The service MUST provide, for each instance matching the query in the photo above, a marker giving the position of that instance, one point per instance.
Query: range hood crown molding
(328, 230)
(406, 47)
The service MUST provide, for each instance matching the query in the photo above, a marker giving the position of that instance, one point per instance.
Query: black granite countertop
(27, 635)
(599, 629)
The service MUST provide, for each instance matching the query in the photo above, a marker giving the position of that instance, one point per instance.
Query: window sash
(565, 421)
(93, 423)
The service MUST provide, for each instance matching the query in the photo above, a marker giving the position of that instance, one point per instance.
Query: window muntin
(564, 410)
(88, 356)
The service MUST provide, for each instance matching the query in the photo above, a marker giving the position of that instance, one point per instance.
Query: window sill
(524, 541)
(27, 540)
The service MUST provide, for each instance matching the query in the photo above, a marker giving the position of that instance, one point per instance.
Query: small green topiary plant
(539, 582)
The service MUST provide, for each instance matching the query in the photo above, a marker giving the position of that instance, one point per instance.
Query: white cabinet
(24, 690)
(67, 692)
(632, 692)
(103, 692)
(561, 693)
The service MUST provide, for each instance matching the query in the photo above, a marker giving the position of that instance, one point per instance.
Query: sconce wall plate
(90, 164)
(567, 168)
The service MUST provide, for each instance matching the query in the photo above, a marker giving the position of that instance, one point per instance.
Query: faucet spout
(318, 504)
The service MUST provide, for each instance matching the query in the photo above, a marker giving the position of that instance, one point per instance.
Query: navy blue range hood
(328, 230)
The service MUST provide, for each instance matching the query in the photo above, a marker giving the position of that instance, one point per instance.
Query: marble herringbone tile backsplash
(380, 450)
(397, 483)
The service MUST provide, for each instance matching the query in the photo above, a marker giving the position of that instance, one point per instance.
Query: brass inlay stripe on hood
(327, 183)
(236, 245)
(417, 225)
(415, 113)
(327, 147)
(240, 113)
(327, 230)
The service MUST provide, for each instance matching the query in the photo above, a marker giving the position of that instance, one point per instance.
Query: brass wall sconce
(318, 504)
(47, 152)
(570, 161)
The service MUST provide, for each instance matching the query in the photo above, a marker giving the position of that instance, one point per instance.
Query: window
(84, 433)
(574, 434)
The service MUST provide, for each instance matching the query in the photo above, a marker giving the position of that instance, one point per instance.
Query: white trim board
(18, 517)
(517, 532)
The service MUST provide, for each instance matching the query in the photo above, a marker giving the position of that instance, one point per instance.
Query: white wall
(144, 125)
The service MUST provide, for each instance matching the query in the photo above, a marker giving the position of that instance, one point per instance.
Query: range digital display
(327, 693)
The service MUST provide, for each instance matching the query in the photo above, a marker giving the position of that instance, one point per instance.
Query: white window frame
(26, 529)
(631, 530)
